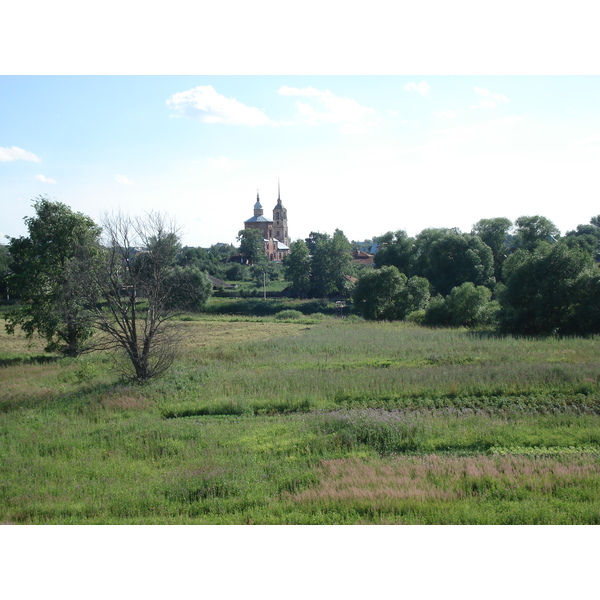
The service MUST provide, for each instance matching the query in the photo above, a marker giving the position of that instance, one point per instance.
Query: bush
(416, 316)
(288, 315)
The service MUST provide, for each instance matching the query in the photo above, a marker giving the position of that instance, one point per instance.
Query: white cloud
(205, 104)
(423, 87)
(122, 179)
(592, 140)
(14, 153)
(45, 179)
(445, 114)
(489, 99)
(470, 139)
(328, 108)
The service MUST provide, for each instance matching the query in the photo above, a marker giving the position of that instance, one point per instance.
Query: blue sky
(366, 154)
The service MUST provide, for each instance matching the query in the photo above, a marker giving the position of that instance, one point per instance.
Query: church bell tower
(280, 221)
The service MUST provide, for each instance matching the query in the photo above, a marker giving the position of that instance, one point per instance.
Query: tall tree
(297, 265)
(331, 263)
(549, 291)
(448, 259)
(387, 294)
(395, 249)
(586, 237)
(494, 233)
(137, 289)
(251, 246)
(45, 278)
(421, 253)
(4, 270)
(530, 231)
(190, 288)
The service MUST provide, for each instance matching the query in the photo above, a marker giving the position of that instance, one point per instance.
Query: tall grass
(281, 422)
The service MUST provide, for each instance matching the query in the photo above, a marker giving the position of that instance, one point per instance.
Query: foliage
(387, 294)
(530, 231)
(585, 236)
(201, 259)
(189, 287)
(251, 246)
(395, 249)
(236, 272)
(550, 291)
(289, 315)
(447, 258)
(297, 265)
(45, 278)
(4, 271)
(331, 263)
(469, 305)
(495, 233)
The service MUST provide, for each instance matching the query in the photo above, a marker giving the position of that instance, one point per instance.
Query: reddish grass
(435, 477)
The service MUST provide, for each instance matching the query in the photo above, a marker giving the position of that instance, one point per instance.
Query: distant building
(362, 258)
(274, 231)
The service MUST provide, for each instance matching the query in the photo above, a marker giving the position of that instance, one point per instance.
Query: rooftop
(258, 219)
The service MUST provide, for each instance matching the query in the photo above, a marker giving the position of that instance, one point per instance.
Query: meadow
(309, 419)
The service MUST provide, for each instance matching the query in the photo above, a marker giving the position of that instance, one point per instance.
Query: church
(274, 231)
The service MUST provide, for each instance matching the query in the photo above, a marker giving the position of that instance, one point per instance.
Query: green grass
(334, 421)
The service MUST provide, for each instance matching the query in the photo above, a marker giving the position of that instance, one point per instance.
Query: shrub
(288, 315)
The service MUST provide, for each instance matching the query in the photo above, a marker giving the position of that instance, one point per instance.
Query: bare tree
(131, 280)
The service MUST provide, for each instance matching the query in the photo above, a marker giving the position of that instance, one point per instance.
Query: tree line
(520, 277)
(126, 278)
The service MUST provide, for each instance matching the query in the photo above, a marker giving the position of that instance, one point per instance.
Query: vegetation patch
(340, 422)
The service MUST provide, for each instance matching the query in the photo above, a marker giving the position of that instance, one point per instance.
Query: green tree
(201, 259)
(4, 270)
(331, 263)
(386, 294)
(466, 305)
(416, 295)
(530, 231)
(455, 258)
(395, 249)
(421, 254)
(586, 237)
(297, 265)
(236, 272)
(251, 246)
(495, 233)
(46, 280)
(378, 294)
(341, 263)
(189, 289)
(548, 290)
(469, 305)
(313, 239)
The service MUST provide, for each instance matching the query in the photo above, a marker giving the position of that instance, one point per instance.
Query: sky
(364, 154)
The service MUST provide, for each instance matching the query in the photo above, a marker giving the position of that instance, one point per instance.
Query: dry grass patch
(211, 334)
(125, 401)
(434, 477)
(17, 343)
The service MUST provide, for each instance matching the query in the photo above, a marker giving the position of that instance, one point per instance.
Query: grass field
(313, 420)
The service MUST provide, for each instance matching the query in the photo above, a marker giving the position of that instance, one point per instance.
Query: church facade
(274, 231)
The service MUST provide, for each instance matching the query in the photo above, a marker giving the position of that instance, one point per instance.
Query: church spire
(278, 192)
